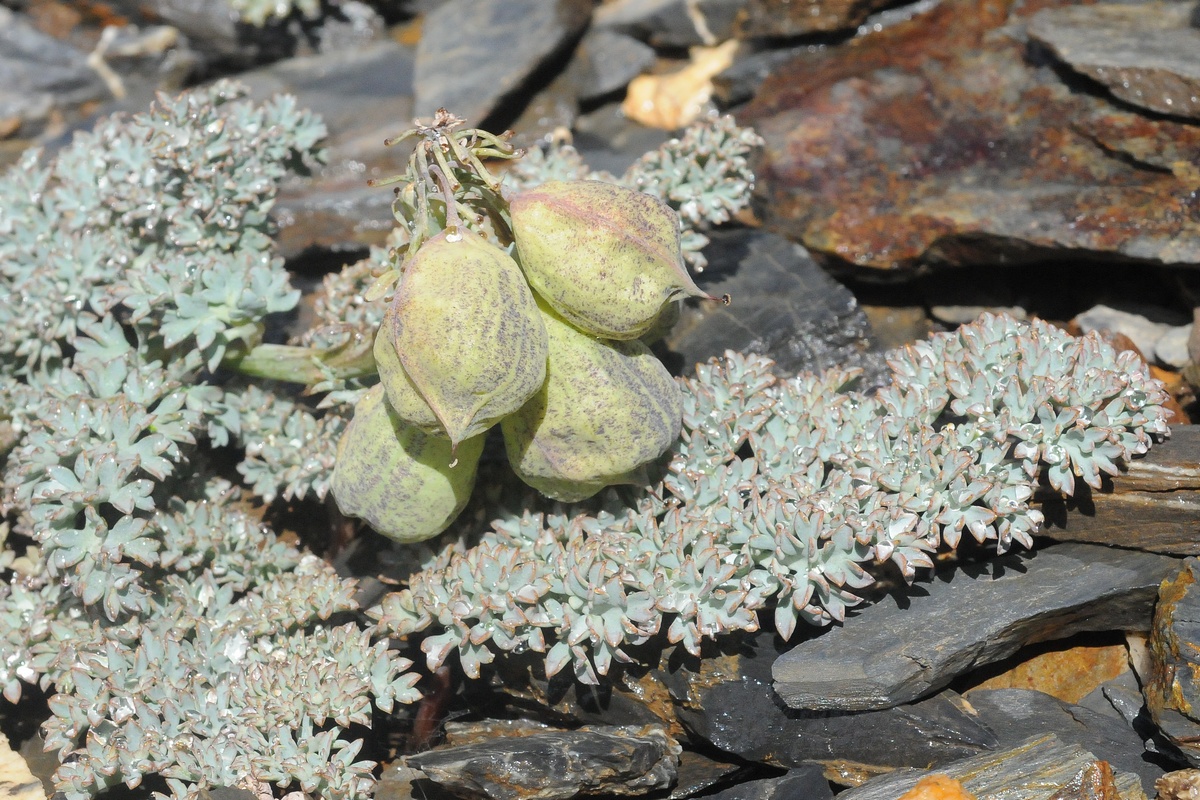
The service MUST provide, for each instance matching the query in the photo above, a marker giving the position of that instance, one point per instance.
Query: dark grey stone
(1031, 770)
(740, 81)
(605, 61)
(557, 765)
(474, 54)
(672, 23)
(784, 306)
(1144, 53)
(730, 704)
(918, 641)
(611, 142)
(1013, 713)
(1120, 698)
(365, 96)
(39, 75)
(698, 772)
(800, 783)
(216, 30)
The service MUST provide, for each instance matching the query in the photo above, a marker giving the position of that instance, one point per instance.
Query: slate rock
(605, 61)
(39, 75)
(1024, 772)
(1172, 347)
(1144, 332)
(1172, 689)
(475, 54)
(879, 156)
(611, 142)
(741, 80)
(365, 96)
(779, 18)
(697, 772)
(784, 306)
(914, 643)
(671, 23)
(730, 704)
(216, 31)
(1012, 713)
(1144, 53)
(1120, 697)
(800, 783)
(561, 764)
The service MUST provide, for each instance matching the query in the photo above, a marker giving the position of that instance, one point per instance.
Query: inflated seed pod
(466, 332)
(398, 478)
(605, 257)
(607, 410)
(402, 395)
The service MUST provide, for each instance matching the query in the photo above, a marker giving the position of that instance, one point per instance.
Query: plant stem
(307, 365)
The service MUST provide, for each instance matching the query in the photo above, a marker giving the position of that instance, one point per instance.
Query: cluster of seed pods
(542, 341)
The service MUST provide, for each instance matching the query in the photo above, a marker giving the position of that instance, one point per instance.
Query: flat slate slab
(475, 53)
(897, 651)
(879, 155)
(1030, 771)
(1144, 53)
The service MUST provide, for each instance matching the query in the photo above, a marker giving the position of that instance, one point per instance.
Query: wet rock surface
(903, 648)
(1144, 53)
(1013, 713)
(882, 157)
(1023, 772)
(559, 764)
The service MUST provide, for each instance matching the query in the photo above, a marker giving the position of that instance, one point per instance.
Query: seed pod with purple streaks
(605, 257)
(607, 410)
(466, 333)
(398, 478)
(402, 395)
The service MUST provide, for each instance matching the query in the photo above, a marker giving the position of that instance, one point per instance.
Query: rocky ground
(922, 162)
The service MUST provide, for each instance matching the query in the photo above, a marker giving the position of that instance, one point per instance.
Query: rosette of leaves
(780, 491)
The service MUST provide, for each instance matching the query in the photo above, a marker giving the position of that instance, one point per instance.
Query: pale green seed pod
(607, 410)
(398, 478)
(605, 257)
(466, 332)
(402, 395)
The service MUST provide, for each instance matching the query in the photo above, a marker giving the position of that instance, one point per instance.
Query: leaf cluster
(779, 492)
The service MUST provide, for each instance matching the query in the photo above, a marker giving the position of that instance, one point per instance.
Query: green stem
(307, 365)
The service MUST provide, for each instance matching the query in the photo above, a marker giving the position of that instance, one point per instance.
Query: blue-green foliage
(834, 479)
(165, 617)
